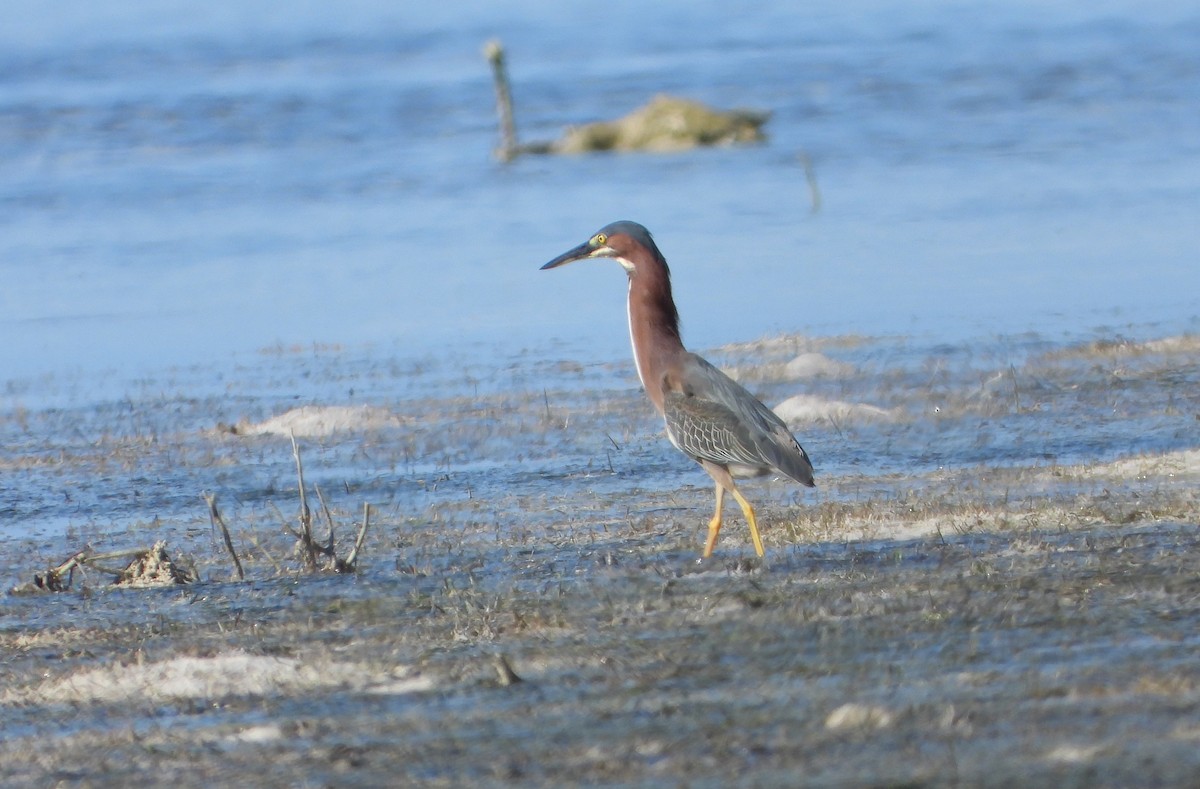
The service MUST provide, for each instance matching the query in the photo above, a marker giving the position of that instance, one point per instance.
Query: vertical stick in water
(494, 51)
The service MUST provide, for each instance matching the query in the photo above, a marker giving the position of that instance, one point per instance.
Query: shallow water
(177, 190)
(505, 437)
(214, 222)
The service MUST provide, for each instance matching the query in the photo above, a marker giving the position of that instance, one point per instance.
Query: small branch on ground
(508, 150)
(305, 535)
(56, 579)
(327, 549)
(149, 567)
(504, 671)
(810, 175)
(215, 519)
(351, 562)
(309, 546)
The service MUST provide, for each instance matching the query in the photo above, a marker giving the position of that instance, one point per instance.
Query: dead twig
(810, 175)
(508, 150)
(309, 546)
(214, 518)
(326, 549)
(53, 581)
(305, 536)
(351, 562)
(504, 671)
(267, 554)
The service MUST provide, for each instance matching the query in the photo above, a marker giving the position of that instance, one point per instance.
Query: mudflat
(994, 584)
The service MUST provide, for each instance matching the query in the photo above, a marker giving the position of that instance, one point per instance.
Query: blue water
(184, 185)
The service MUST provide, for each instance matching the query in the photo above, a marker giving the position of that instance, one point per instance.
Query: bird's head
(626, 242)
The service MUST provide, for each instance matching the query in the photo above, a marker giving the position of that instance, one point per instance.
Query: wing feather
(712, 417)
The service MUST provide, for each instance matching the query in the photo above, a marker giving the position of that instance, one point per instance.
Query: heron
(709, 417)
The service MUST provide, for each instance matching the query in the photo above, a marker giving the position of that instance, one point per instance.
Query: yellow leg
(749, 513)
(714, 525)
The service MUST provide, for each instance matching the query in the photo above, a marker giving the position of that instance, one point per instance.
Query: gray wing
(714, 418)
(706, 430)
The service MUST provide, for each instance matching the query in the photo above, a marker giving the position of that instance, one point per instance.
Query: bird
(709, 417)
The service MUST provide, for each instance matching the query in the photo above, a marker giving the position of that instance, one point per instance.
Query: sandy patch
(791, 344)
(1183, 343)
(816, 365)
(315, 421)
(1183, 463)
(221, 676)
(950, 524)
(807, 409)
(803, 367)
(857, 717)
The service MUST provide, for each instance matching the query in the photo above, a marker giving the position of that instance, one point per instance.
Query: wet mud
(994, 584)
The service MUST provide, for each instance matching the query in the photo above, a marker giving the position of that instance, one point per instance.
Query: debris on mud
(307, 545)
(149, 568)
(154, 568)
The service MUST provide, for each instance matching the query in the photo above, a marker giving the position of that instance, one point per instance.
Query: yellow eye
(599, 240)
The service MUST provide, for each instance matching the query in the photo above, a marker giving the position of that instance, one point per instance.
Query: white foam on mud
(1182, 343)
(316, 421)
(1112, 349)
(816, 365)
(855, 716)
(256, 735)
(806, 366)
(1183, 464)
(807, 409)
(1067, 753)
(220, 676)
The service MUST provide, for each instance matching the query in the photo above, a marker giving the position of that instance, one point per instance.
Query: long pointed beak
(584, 250)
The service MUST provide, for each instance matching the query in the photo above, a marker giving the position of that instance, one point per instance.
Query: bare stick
(92, 558)
(283, 519)
(310, 557)
(810, 175)
(328, 549)
(1012, 371)
(215, 518)
(261, 549)
(53, 581)
(352, 560)
(494, 52)
(504, 671)
(304, 513)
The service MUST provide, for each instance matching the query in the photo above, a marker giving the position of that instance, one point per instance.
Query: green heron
(710, 418)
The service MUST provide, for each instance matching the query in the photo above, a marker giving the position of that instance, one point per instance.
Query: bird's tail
(790, 458)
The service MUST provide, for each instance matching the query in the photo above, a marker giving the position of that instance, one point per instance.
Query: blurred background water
(182, 184)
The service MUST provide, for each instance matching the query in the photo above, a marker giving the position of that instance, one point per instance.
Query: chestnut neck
(653, 323)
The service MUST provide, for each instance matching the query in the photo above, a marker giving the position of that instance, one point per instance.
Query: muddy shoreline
(994, 584)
